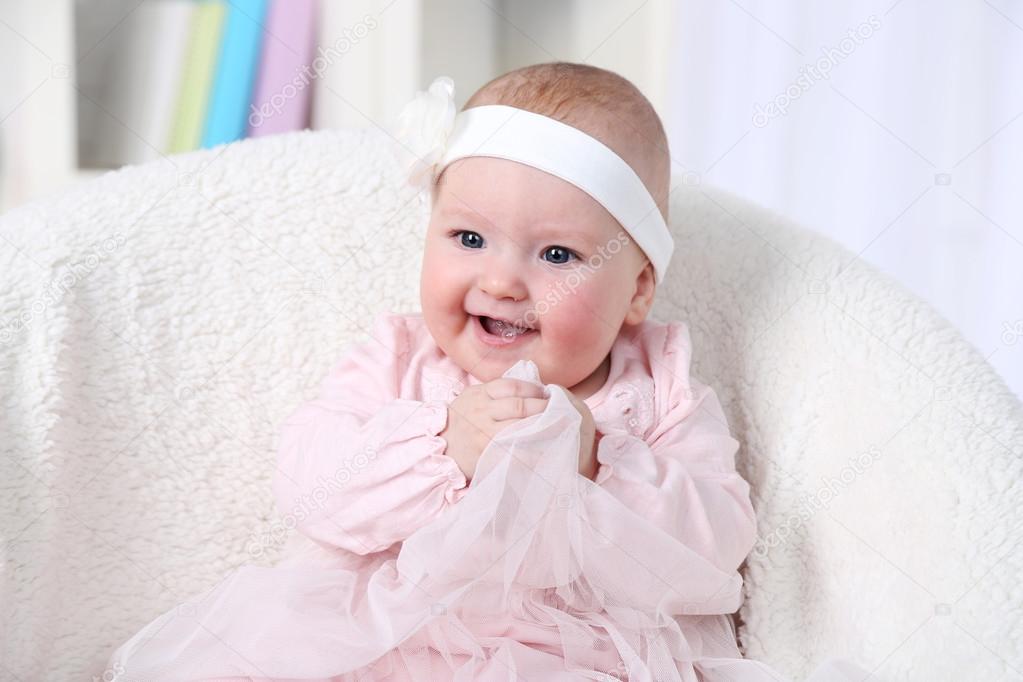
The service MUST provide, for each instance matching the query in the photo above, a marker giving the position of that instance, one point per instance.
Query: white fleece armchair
(158, 323)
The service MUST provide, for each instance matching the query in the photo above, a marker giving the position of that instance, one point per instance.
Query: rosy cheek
(433, 265)
(428, 280)
(574, 320)
(434, 278)
(442, 287)
(434, 284)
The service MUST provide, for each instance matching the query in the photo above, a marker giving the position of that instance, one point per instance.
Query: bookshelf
(74, 110)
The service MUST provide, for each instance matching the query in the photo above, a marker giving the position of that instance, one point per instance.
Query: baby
(523, 481)
(492, 256)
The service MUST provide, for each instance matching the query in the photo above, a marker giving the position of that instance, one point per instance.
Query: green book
(197, 77)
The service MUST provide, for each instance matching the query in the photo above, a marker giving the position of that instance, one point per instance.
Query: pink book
(284, 82)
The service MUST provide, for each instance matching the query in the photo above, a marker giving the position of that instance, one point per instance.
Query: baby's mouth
(503, 328)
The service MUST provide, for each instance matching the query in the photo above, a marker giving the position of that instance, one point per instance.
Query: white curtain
(894, 127)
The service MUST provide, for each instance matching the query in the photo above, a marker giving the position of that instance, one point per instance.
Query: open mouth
(503, 329)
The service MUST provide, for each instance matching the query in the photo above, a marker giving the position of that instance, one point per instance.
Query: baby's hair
(599, 102)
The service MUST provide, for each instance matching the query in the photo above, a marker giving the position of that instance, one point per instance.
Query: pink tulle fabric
(529, 572)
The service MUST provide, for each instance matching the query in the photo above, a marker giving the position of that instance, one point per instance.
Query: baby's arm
(360, 468)
(682, 477)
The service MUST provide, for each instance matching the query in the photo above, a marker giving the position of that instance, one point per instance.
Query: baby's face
(511, 242)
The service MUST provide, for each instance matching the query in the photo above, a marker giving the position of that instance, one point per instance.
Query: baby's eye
(561, 255)
(468, 238)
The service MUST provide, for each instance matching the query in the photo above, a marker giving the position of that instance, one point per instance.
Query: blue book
(237, 64)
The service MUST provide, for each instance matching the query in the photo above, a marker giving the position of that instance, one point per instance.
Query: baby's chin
(490, 369)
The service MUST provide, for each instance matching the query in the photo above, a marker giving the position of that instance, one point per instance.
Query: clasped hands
(481, 410)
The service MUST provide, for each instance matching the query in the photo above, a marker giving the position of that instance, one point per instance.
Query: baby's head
(509, 241)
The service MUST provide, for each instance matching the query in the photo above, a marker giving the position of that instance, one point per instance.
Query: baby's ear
(643, 299)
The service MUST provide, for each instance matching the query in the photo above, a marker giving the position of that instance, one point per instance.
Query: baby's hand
(481, 410)
(587, 438)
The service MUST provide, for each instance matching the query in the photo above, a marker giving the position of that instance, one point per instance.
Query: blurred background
(892, 127)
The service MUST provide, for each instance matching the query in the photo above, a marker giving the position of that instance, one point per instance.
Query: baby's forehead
(493, 178)
(546, 204)
(540, 223)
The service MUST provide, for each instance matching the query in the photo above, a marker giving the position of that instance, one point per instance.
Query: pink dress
(532, 572)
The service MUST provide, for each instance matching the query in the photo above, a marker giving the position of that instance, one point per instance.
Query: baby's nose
(503, 280)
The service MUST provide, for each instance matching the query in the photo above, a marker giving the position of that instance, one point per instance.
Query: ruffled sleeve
(360, 467)
(680, 475)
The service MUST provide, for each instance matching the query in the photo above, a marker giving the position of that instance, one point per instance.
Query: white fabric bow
(423, 127)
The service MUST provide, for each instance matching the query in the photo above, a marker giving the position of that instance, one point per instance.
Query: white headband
(431, 130)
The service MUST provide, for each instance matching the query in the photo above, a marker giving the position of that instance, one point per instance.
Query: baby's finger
(505, 387)
(515, 407)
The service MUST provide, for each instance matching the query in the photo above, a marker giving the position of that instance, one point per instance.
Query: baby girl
(523, 481)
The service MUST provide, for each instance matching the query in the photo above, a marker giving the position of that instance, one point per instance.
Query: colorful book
(285, 82)
(197, 76)
(237, 63)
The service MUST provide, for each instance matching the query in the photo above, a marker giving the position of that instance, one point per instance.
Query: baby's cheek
(581, 322)
(433, 283)
(439, 286)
